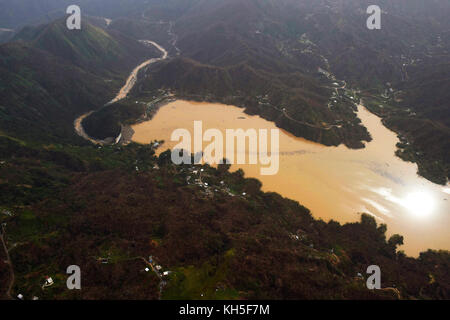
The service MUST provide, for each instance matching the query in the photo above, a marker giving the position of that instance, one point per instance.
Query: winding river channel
(123, 92)
(333, 182)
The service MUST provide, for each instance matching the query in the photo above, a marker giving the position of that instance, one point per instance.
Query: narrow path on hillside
(162, 283)
(9, 263)
(284, 112)
(174, 38)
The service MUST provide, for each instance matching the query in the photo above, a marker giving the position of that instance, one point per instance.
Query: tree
(368, 220)
(382, 228)
(223, 167)
(165, 158)
(395, 241)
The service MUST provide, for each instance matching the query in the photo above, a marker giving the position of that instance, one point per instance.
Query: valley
(87, 178)
(383, 195)
(122, 94)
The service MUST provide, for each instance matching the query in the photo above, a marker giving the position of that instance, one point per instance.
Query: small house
(49, 281)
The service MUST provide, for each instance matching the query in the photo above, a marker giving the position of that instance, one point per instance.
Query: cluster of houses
(158, 269)
(161, 96)
(262, 100)
(155, 167)
(195, 178)
(336, 96)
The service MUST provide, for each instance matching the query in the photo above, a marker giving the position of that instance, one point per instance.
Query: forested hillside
(50, 76)
(107, 210)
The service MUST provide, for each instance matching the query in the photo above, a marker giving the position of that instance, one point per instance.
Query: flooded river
(333, 182)
(123, 92)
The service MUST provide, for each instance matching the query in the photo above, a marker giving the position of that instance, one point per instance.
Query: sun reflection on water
(419, 203)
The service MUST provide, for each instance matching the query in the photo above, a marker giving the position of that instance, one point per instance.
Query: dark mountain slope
(41, 94)
(6, 35)
(90, 48)
(55, 76)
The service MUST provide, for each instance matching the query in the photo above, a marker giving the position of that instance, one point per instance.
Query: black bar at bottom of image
(224, 309)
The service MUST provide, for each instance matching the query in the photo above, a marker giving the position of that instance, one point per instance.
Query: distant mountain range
(275, 48)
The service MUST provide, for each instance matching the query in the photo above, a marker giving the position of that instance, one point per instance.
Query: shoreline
(373, 180)
(127, 130)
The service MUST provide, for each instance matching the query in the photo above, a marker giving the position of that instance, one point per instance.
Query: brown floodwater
(333, 182)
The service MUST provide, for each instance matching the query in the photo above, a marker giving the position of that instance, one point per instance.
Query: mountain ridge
(63, 87)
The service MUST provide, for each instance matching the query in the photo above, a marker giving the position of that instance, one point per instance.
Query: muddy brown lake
(333, 182)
